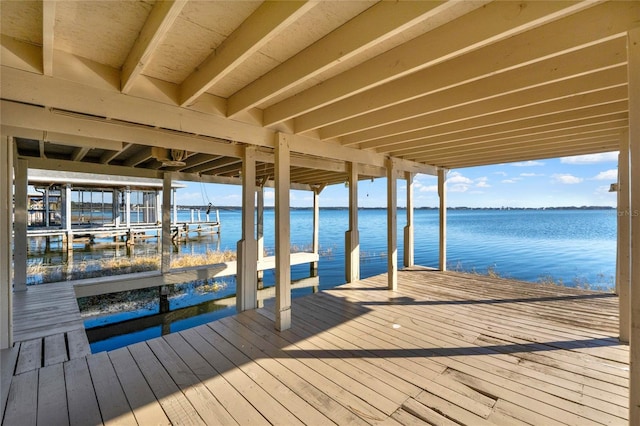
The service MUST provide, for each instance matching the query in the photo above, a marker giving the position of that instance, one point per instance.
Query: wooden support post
(283, 230)
(66, 217)
(246, 278)
(158, 207)
(408, 229)
(6, 242)
(442, 193)
(352, 237)
(260, 230)
(20, 226)
(165, 261)
(623, 260)
(315, 241)
(392, 226)
(47, 212)
(175, 209)
(633, 64)
(127, 207)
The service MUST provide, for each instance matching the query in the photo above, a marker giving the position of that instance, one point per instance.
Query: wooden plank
(427, 414)
(243, 374)
(475, 366)
(232, 400)
(404, 417)
(78, 344)
(112, 401)
(30, 356)
(206, 405)
(55, 349)
(146, 408)
(453, 411)
(329, 350)
(23, 397)
(291, 407)
(551, 391)
(254, 346)
(507, 414)
(8, 360)
(81, 396)
(356, 380)
(173, 402)
(52, 396)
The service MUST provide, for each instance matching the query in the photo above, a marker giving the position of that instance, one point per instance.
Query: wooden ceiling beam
(520, 144)
(257, 30)
(20, 88)
(491, 22)
(583, 92)
(154, 31)
(48, 26)
(511, 153)
(79, 153)
(214, 165)
(565, 128)
(140, 157)
(376, 24)
(583, 148)
(110, 155)
(553, 39)
(470, 129)
(193, 161)
(531, 83)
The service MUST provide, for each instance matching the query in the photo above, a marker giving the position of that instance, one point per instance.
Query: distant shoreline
(415, 208)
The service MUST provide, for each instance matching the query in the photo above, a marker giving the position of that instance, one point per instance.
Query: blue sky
(568, 181)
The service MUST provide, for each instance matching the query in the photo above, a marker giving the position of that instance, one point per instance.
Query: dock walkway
(446, 348)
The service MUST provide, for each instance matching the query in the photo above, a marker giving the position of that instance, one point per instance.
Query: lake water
(572, 246)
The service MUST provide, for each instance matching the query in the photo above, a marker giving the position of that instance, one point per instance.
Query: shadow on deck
(446, 348)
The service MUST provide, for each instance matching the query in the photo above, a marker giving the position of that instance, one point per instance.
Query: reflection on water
(140, 328)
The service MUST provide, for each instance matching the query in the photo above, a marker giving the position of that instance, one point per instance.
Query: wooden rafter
(375, 25)
(255, 31)
(155, 29)
(48, 24)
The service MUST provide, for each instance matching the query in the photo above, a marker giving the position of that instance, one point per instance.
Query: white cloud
(531, 174)
(482, 182)
(591, 158)
(566, 179)
(528, 164)
(456, 177)
(459, 187)
(428, 188)
(421, 187)
(509, 181)
(607, 175)
(500, 173)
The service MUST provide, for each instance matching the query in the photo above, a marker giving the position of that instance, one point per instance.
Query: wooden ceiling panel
(199, 30)
(101, 31)
(22, 20)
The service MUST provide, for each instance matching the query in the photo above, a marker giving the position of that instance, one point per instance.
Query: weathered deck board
(8, 360)
(52, 396)
(446, 348)
(47, 321)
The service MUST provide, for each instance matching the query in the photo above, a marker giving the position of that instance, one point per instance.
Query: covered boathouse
(295, 94)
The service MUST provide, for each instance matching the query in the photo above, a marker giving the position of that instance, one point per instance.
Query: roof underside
(447, 84)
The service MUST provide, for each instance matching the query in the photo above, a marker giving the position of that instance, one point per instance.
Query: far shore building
(301, 95)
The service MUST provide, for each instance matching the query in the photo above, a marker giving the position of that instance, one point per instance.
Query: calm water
(574, 246)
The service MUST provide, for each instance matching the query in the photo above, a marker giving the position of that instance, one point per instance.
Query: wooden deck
(446, 349)
(47, 326)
